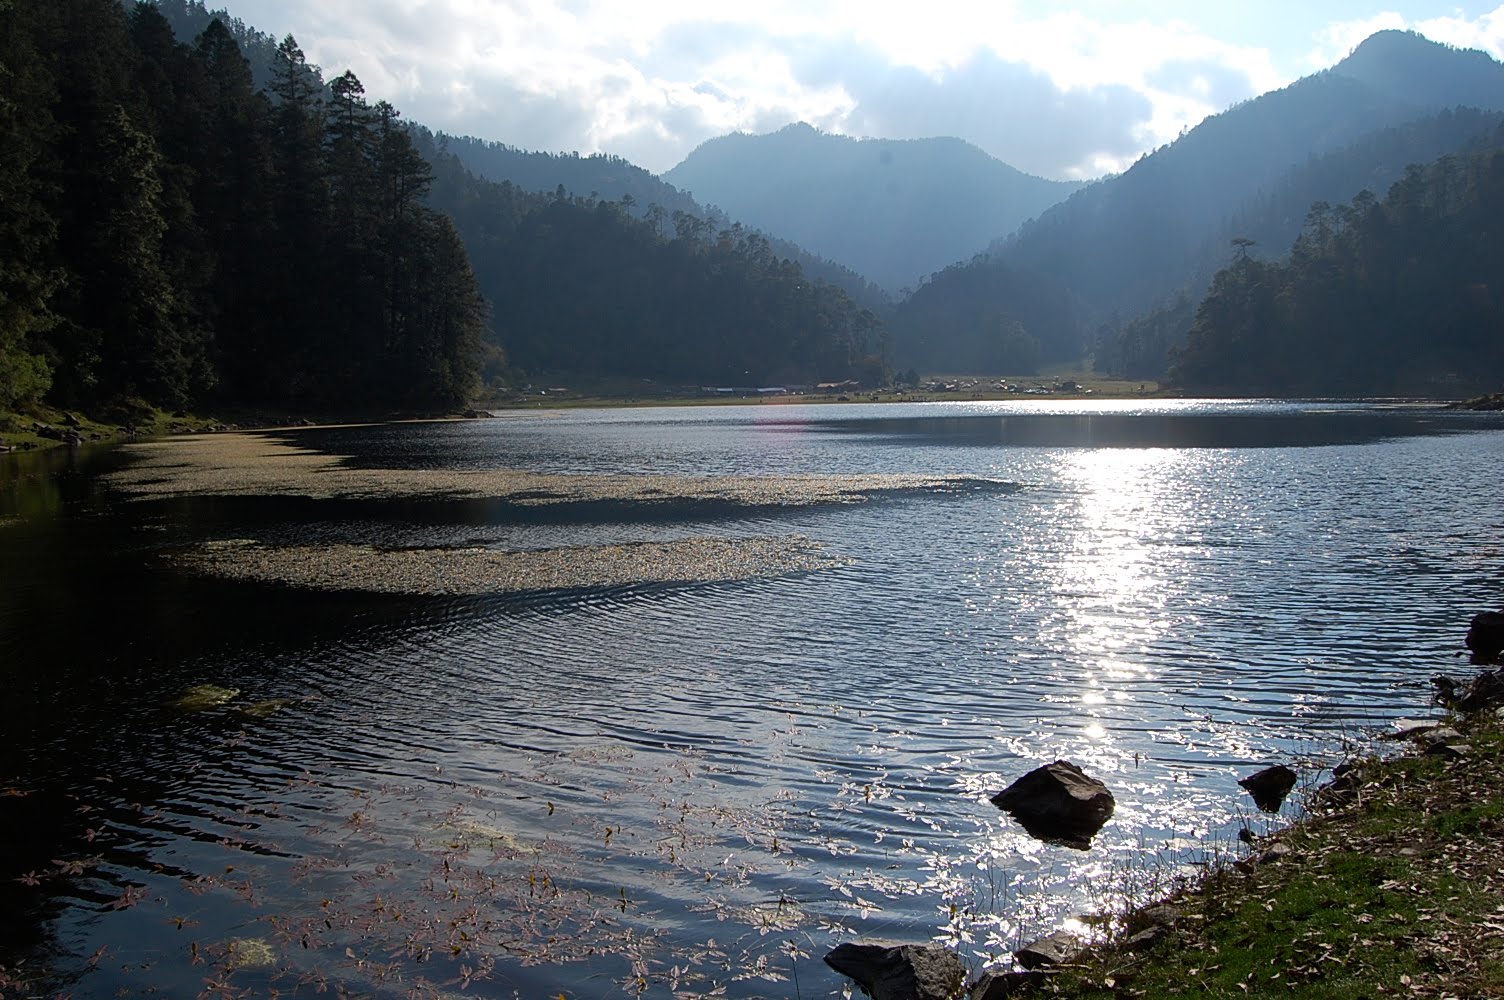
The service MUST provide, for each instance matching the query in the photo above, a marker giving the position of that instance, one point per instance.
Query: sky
(1065, 90)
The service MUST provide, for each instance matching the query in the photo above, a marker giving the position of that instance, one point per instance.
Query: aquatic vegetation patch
(250, 953)
(475, 571)
(264, 465)
(202, 697)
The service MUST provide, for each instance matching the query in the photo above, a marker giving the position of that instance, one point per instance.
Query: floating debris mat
(477, 571)
(262, 465)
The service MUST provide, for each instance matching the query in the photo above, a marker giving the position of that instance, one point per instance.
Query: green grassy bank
(1392, 887)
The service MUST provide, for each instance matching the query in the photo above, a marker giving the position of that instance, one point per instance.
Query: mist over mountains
(893, 210)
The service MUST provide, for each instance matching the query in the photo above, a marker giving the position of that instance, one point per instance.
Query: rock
(1405, 729)
(1347, 779)
(71, 420)
(900, 971)
(999, 985)
(1157, 915)
(1270, 786)
(1439, 735)
(1485, 636)
(1276, 852)
(1058, 802)
(1059, 948)
(1146, 938)
(1482, 692)
(478, 414)
(1450, 751)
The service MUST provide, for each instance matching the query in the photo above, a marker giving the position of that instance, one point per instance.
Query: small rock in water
(1485, 636)
(1270, 786)
(1058, 802)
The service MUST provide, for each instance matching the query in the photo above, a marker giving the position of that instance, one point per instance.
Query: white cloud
(1485, 32)
(1064, 93)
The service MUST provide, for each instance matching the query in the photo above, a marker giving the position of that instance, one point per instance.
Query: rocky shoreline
(1392, 882)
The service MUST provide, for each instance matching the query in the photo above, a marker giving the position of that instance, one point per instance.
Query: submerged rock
(202, 697)
(1058, 802)
(900, 971)
(1270, 786)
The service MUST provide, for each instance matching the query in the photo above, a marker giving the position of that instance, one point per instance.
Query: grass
(1394, 887)
(16, 427)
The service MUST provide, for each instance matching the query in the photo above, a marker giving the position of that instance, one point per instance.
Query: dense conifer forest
(172, 234)
(1395, 295)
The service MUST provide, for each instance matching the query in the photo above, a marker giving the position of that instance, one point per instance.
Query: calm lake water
(669, 788)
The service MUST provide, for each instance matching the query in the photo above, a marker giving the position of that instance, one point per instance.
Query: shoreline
(1388, 882)
(43, 427)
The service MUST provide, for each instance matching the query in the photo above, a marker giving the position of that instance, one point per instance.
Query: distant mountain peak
(1411, 68)
(891, 209)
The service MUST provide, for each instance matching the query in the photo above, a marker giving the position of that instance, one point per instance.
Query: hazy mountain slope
(608, 177)
(612, 178)
(1129, 241)
(894, 210)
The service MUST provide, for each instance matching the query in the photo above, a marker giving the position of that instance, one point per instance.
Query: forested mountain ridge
(1377, 297)
(643, 194)
(893, 210)
(583, 286)
(1268, 226)
(1122, 244)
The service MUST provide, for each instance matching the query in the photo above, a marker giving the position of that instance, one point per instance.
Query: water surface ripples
(666, 788)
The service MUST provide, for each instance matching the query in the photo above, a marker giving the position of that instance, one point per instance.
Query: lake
(670, 701)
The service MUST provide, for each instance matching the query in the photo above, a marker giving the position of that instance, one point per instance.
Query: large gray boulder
(1058, 802)
(900, 971)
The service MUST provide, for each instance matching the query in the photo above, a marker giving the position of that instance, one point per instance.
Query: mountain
(893, 210)
(1266, 227)
(1122, 244)
(642, 194)
(1391, 297)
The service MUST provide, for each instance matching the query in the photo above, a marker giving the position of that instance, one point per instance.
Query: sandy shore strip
(477, 571)
(251, 464)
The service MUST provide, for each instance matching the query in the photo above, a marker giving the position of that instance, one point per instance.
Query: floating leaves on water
(455, 572)
(262, 465)
(202, 697)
